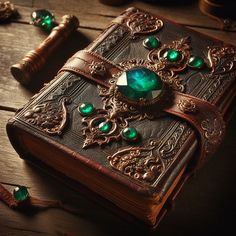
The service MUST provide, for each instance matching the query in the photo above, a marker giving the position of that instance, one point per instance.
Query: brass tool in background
(36, 59)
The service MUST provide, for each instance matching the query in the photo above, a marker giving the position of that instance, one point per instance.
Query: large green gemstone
(104, 127)
(139, 83)
(196, 62)
(86, 109)
(151, 42)
(172, 55)
(129, 134)
(20, 193)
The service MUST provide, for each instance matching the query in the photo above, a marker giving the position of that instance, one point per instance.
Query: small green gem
(104, 127)
(86, 109)
(151, 42)
(129, 134)
(47, 23)
(43, 19)
(20, 193)
(172, 55)
(196, 62)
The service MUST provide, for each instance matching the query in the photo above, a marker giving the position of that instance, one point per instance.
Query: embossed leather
(150, 165)
(199, 113)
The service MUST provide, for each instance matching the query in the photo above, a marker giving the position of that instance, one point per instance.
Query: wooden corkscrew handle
(36, 59)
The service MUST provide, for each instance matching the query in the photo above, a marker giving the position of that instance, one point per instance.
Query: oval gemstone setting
(172, 55)
(139, 83)
(196, 62)
(104, 127)
(21, 193)
(86, 109)
(129, 134)
(151, 42)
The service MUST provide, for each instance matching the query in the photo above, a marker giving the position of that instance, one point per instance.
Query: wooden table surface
(207, 202)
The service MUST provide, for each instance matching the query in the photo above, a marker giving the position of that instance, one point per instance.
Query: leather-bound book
(133, 114)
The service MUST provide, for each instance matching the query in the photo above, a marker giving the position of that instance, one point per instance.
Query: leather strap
(92, 66)
(202, 115)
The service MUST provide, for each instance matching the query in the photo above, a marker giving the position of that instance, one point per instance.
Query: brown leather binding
(50, 127)
(199, 113)
(86, 63)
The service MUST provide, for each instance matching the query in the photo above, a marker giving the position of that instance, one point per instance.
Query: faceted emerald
(86, 109)
(151, 42)
(104, 127)
(196, 62)
(43, 18)
(47, 23)
(129, 134)
(20, 193)
(139, 83)
(172, 55)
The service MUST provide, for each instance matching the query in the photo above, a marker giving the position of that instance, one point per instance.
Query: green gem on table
(196, 62)
(172, 55)
(151, 42)
(21, 193)
(86, 109)
(44, 19)
(129, 134)
(138, 83)
(104, 127)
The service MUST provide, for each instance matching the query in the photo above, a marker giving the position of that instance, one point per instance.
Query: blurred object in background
(25, 71)
(7, 10)
(221, 10)
(169, 2)
(113, 2)
(157, 2)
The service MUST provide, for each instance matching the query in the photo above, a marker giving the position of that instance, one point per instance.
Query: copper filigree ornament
(140, 163)
(168, 69)
(149, 162)
(122, 103)
(116, 113)
(49, 117)
(92, 133)
(214, 130)
(97, 68)
(222, 60)
(7, 10)
(143, 23)
(120, 107)
(187, 106)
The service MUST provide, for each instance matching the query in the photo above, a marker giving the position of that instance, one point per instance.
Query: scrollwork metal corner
(141, 163)
(187, 106)
(214, 130)
(50, 117)
(140, 23)
(222, 60)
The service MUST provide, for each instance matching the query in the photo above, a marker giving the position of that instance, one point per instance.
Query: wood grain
(94, 15)
(187, 14)
(15, 171)
(12, 50)
(212, 183)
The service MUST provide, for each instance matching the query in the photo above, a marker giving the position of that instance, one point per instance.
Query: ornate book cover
(133, 114)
